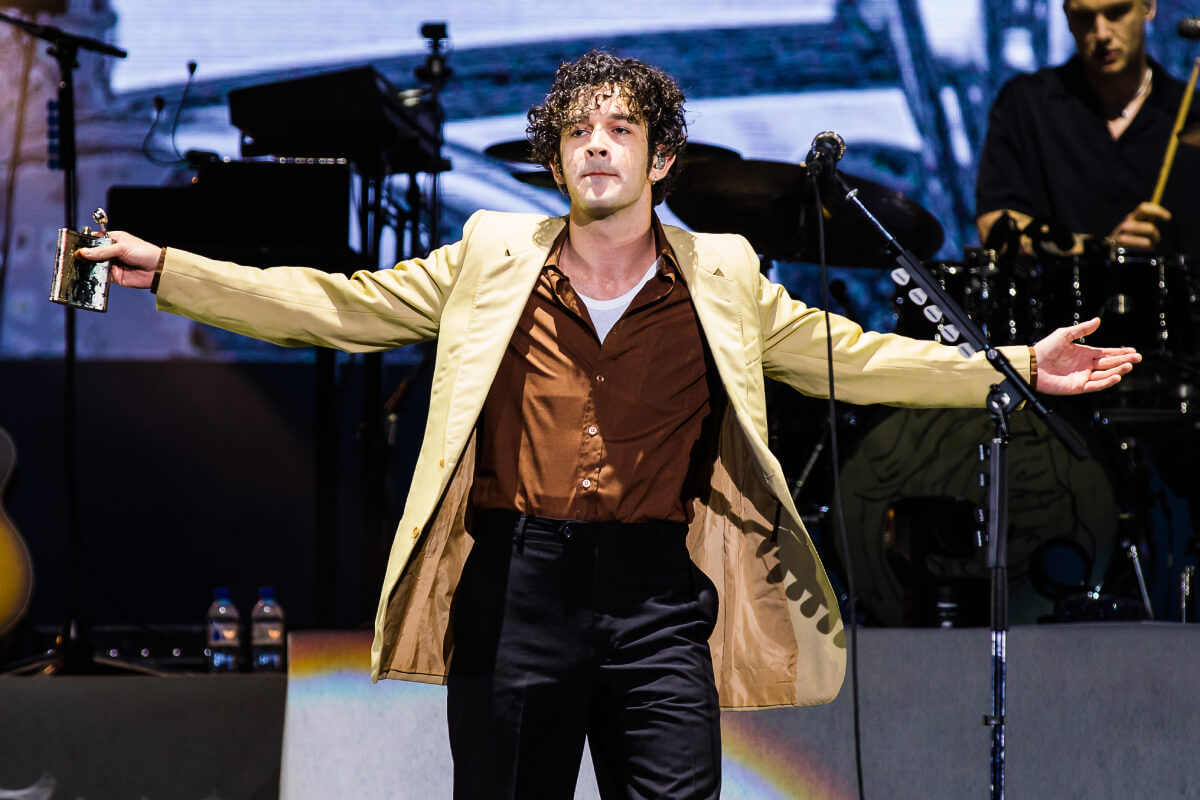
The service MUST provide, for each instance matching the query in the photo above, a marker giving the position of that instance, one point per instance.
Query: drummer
(1082, 144)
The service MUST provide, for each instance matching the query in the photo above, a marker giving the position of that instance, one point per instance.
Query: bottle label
(222, 633)
(266, 633)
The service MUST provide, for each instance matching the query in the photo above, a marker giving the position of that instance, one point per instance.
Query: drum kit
(1081, 544)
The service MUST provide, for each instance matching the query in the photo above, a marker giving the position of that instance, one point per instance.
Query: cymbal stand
(1131, 552)
(812, 462)
(927, 293)
(1185, 591)
(380, 417)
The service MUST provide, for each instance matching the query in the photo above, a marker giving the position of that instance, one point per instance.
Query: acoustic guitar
(16, 569)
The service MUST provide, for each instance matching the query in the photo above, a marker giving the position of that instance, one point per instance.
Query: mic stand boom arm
(61, 39)
(958, 327)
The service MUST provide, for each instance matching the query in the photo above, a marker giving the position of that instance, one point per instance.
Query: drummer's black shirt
(1048, 152)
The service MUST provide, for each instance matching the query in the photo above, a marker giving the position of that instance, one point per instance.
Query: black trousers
(569, 630)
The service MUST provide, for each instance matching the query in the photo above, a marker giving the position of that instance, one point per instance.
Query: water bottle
(224, 637)
(267, 640)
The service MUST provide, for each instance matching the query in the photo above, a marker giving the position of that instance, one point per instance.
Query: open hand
(1067, 367)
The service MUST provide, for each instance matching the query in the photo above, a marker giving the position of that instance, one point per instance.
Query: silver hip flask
(78, 282)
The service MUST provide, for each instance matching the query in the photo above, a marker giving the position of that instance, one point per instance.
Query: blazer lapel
(501, 294)
(714, 297)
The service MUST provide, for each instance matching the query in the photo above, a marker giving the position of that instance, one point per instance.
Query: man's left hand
(1140, 227)
(1066, 367)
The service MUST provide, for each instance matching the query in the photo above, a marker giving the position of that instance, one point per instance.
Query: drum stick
(1173, 142)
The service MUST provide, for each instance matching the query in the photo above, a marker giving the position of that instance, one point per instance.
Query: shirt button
(587, 483)
(599, 379)
(592, 430)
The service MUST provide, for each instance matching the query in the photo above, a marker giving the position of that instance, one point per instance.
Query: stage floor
(1095, 711)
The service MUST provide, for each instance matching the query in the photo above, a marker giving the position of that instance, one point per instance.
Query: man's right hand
(1139, 228)
(132, 261)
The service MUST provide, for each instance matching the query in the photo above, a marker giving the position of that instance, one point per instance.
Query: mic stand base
(73, 655)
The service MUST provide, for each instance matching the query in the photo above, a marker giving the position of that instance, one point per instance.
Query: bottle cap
(222, 593)
(266, 593)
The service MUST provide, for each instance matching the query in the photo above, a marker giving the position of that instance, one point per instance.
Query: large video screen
(907, 83)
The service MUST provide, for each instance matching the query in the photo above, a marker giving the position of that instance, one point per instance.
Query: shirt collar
(665, 256)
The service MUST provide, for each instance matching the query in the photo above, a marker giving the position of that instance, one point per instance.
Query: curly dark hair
(653, 97)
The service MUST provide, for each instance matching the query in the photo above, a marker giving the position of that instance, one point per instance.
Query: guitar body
(16, 568)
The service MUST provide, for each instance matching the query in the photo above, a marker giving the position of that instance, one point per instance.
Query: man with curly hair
(597, 544)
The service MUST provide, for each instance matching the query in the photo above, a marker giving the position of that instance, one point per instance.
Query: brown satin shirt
(620, 431)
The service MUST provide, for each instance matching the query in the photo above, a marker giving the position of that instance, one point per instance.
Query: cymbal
(541, 178)
(771, 204)
(518, 151)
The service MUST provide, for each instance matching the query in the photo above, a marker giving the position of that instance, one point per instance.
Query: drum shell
(980, 287)
(1142, 301)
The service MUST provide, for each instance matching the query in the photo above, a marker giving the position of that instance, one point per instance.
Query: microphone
(826, 151)
(1189, 28)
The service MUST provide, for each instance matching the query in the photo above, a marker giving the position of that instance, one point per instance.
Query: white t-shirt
(605, 313)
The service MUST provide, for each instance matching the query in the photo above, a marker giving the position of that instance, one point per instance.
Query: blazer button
(416, 534)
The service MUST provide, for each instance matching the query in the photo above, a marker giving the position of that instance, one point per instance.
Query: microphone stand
(956, 326)
(73, 649)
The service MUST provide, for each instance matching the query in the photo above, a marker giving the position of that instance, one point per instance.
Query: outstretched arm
(293, 306)
(1066, 367)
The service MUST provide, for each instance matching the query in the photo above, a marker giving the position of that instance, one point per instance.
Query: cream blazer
(778, 639)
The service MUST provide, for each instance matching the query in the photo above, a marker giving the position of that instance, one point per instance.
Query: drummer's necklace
(1118, 124)
(1145, 87)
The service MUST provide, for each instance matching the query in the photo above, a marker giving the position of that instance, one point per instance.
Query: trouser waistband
(574, 530)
